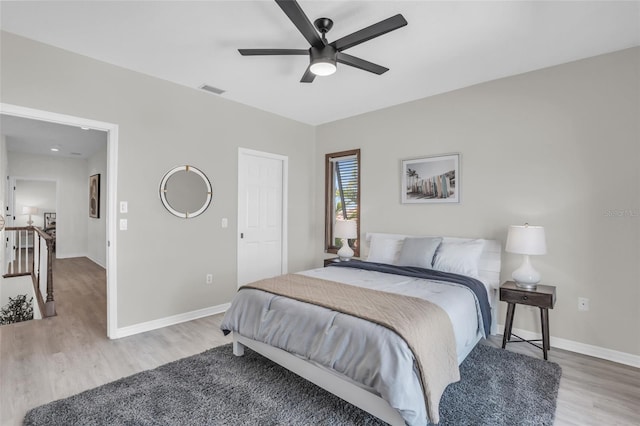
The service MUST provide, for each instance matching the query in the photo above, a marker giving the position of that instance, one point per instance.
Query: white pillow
(419, 251)
(384, 250)
(459, 257)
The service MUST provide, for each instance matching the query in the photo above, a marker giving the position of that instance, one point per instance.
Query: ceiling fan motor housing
(323, 60)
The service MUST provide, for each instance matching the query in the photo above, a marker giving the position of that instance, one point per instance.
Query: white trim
(96, 262)
(64, 255)
(168, 321)
(582, 348)
(285, 201)
(112, 172)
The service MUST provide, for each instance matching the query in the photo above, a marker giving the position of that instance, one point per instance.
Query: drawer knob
(525, 297)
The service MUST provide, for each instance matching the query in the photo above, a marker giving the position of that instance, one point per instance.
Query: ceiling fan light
(323, 60)
(323, 67)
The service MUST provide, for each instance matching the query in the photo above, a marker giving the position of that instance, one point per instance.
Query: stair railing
(30, 252)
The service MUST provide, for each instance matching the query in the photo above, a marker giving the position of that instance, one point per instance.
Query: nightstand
(331, 260)
(335, 260)
(543, 297)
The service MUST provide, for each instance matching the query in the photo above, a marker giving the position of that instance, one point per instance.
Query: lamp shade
(29, 210)
(345, 229)
(526, 239)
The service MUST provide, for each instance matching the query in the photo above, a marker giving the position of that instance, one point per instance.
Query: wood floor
(41, 361)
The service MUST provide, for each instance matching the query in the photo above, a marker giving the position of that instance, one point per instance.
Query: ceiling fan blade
(343, 58)
(308, 76)
(254, 52)
(370, 32)
(293, 10)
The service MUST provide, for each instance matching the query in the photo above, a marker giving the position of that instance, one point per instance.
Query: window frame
(329, 214)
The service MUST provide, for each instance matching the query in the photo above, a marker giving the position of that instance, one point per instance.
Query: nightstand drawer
(540, 299)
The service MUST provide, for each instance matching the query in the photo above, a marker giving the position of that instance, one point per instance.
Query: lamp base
(526, 286)
(345, 253)
(526, 276)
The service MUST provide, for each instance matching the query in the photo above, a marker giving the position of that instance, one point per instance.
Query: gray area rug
(216, 388)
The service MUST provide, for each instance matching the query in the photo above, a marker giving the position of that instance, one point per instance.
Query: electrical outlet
(209, 279)
(583, 304)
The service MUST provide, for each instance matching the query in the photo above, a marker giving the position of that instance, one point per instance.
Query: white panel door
(261, 215)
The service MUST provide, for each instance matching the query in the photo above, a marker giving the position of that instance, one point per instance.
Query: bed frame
(345, 388)
(326, 379)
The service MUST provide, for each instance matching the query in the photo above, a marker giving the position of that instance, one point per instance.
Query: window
(342, 189)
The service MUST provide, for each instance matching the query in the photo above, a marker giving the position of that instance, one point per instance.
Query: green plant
(18, 309)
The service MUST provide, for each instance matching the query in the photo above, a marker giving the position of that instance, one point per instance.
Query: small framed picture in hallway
(94, 196)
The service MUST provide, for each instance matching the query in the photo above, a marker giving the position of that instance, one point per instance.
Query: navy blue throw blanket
(430, 274)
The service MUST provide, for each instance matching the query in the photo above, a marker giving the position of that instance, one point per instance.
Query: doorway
(112, 145)
(262, 215)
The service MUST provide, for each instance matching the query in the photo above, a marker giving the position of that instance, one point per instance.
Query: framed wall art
(94, 196)
(434, 179)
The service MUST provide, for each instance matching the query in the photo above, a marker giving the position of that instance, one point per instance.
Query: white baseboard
(69, 255)
(167, 321)
(582, 348)
(96, 262)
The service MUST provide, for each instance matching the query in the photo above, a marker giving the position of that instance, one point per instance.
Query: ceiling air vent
(212, 89)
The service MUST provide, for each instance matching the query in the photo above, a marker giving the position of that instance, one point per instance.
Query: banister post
(33, 257)
(50, 306)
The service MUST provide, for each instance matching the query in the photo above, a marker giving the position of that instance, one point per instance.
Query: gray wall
(162, 260)
(558, 147)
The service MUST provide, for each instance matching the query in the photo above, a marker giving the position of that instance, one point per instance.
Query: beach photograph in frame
(433, 179)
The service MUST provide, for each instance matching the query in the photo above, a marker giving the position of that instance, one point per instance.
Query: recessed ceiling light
(54, 149)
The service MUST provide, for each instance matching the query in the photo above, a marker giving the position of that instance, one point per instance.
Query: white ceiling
(38, 137)
(445, 46)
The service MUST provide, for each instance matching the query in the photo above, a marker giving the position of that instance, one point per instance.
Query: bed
(365, 361)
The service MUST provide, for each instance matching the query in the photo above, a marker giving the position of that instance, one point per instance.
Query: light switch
(225, 222)
(124, 207)
(123, 224)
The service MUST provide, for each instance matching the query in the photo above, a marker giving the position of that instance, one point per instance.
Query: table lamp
(345, 229)
(526, 240)
(29, 210)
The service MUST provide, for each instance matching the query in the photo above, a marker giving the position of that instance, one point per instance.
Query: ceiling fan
(322, 54)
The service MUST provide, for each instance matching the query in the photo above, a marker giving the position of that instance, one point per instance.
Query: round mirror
(185, 191)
